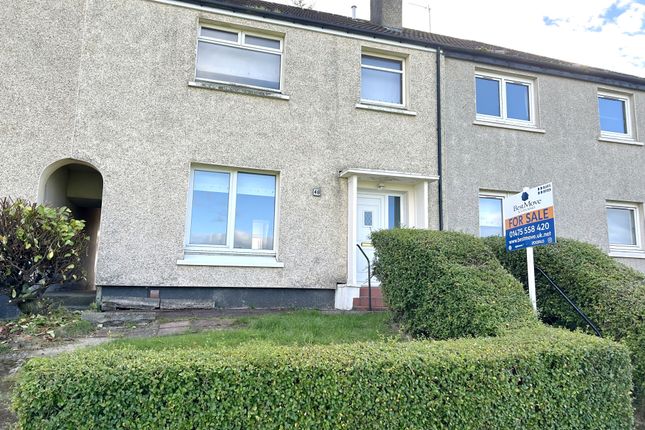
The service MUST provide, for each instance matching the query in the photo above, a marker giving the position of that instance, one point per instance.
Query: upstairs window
(614, 115)
(381, 80)
(236, 57)
(504, 99)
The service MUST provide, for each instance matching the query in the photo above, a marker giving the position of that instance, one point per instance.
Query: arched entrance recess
(79, 186)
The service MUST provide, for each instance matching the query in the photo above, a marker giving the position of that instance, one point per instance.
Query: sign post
(529, 221)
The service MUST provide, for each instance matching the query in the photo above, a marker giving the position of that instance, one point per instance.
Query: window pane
(254, 211)
(219, 34)
(621, 226)
(488, 97)
(381, 86)
(238, 65)
(261, 41)
(517, 101)
(368, 60)
(394, 211)
(210, 208)
(612, 115)
(490, 217)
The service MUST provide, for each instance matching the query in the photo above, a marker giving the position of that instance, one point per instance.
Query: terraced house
(234, 153)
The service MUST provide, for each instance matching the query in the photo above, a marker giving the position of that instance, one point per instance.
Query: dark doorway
(79, 187)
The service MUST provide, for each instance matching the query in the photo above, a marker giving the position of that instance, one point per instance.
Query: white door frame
(416, 190)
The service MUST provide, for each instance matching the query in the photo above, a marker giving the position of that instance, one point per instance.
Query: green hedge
(446, 285)
(610, 293)
(537, 379)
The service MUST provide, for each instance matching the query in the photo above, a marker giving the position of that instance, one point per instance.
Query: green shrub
(447, 285)
(39, 246)
(610, 293)
(538, 379)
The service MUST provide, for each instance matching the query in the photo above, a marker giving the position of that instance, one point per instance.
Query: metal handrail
(573, 305)
(369, 277)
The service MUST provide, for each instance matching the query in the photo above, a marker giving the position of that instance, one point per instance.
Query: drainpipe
(439, 139)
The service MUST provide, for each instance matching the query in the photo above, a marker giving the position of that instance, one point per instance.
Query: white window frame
(618, 249)
(402, 72)
(229, 248)
(626, 99)
(240, 43)
(487, 194)
(503, 118)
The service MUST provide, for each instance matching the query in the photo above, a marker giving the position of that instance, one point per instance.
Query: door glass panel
(394, 211)
(367, 219)
(210, 208)
(254, 211)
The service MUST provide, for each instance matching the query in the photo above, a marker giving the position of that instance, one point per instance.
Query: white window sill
(619, 140)
(379, 108)
(509, 126)
(230, 260)
(627, 253)
(238, 89)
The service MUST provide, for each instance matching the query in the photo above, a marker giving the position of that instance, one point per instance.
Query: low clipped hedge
(610, 293)
(535, 379)
(446, 285)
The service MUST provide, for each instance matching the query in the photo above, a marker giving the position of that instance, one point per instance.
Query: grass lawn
(291, 328)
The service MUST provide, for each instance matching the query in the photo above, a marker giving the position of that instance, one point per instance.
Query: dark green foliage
(610, 293)
(537, 379)
(446, 285)
(39, 246)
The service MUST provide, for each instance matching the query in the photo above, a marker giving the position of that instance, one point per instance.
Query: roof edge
(606, 77)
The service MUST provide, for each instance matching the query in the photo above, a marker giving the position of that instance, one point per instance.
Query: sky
(609, 34)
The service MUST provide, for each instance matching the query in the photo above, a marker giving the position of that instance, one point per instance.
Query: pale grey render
(563, 146)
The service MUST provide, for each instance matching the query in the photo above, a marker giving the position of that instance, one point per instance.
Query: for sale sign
(529, 218)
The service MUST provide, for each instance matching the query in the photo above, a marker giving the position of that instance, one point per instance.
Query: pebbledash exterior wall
(565, 147)
(110, 84)
(107, 83)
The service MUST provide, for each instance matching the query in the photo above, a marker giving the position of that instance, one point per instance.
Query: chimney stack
(388, 13)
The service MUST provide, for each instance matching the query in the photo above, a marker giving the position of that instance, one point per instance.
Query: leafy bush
(610, 293)
(447, 285)
(39, 246)
(540, 378)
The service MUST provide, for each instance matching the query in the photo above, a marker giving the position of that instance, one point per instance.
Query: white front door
(371, 216)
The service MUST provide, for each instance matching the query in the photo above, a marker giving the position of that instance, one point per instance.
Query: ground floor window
(231, 209)
(491, 216)
(623, 226)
